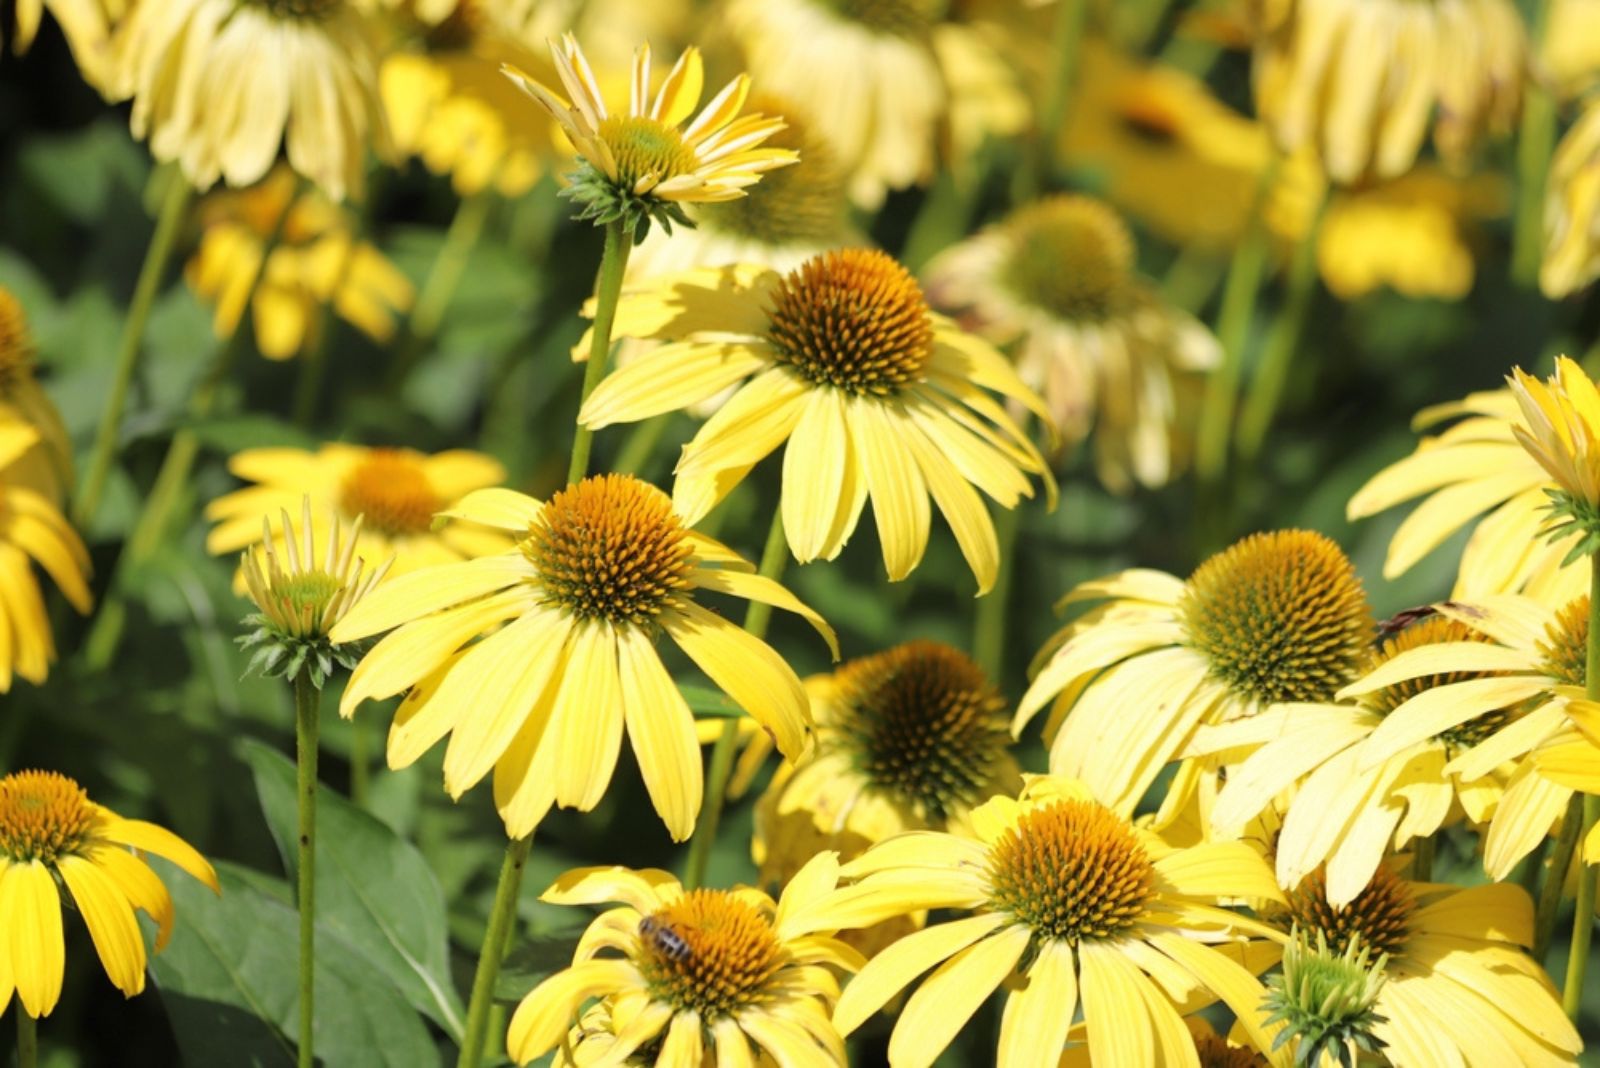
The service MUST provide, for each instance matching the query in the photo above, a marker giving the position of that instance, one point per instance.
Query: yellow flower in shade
(697, 976)
(1459, 986)
(1476, 468)
(86, 24)
(1360, 80)
(52, 835)
(875, 395)
(220, 85)
(598, 573)
(1415, 234)
(1067, 905)
(24, 404)
(394, 492)
(32, 530)
(298, 598)
(1349, 812)
(1056, 282)
(449, 105)
(1147, 130)
(1276, 618)
(1532, 664)
(317, 262)
(911, 738)
(1572, 209)
(640, 165)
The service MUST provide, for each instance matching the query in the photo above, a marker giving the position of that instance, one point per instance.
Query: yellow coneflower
(317, 261)
(219, 85)
(49, 831)
(1533, 663)
(723, 976)
(597, 574)
(449, 105)
(1458, 984)
(395, 492)
(86, 24)
(1572, 205)
(640, 165)
(911, 738)
(1560, 428)
(1057, 281)
(1475, 467)
(22, 402)
(875, 395)
(1067, 905)
(32, 530)
(1276, 618)
(1347, 812)
(1359, 80)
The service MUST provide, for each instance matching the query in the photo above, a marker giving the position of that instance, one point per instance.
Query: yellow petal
(661, 729)
(109, 917)
(946, 1000)
(420, 593)
(500, 508)
(542, 1019)
(163, 843)
(1037, 1017)
(747, 670)
(766, 591)
(31, 907)
(588, 717)
(898, 964)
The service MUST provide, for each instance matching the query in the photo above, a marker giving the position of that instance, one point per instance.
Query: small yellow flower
(1458, 986)
(211, 94)
(597, 574)
(1063, 904)
(1360, 80)
(640, 165)
(1276, 618)
(707, 974)
(395, 492)
(1055, 282)
(1572, 209)
(50, 831)
(299, 599)
(32, 530)
(317, 262)
(875, 395)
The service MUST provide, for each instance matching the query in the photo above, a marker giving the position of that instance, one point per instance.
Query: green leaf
(230, 984)
(532, 959)
(373, 888)
(248, 430)
(707, 703)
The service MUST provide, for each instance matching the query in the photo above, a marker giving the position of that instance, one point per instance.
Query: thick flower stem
(1233, 332)
(613, 262)
(1583, 916)
(1266, 388)
(27, 1039)
(439, 288)
(1536, 138)
(306, 701)
(1555, 880)
(494, 947)
(774, 558)
(989, 633)
(168, 225)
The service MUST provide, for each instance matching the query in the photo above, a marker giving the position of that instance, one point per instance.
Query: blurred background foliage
(173, 732)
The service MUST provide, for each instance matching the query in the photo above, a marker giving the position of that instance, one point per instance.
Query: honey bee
(663, 939)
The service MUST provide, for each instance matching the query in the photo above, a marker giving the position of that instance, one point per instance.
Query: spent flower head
(299, 599)
(1326, 998)
(639, 166)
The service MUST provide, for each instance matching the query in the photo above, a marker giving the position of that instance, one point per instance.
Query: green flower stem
(774, 558)
(501, 916)
(1536, 139)
(1583, 917)
(1266, 388)
(314, 361)
(439, 288)
(27, 1039)
(1555, 879)
(989, 633)
(307, 698)
(613, 262)
(1233, 332)
(1422, 860)
(174, 208)
(1033, 178)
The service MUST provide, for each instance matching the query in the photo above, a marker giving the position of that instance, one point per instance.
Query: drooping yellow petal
(1037, 1017)
(898, 964)
(160, 841)
(588, 717)
(747, 670)
(661, 729)
(109, 917)
(541, 1020)
(946, 1000)
(31, 906)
